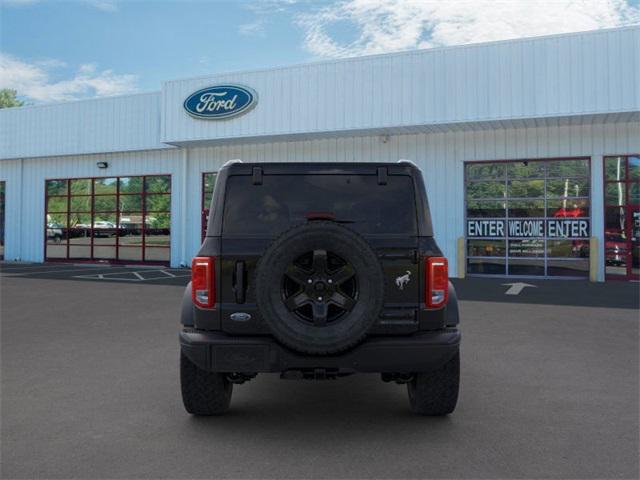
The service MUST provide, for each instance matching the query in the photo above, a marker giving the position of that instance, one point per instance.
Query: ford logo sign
(220, 101)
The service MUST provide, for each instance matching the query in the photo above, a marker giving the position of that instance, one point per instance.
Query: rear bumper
(421, 352)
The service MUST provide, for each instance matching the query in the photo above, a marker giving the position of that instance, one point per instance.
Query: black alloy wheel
(320, 287)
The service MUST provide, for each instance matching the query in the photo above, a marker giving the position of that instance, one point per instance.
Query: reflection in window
(615, 194)
(158, 184)
(80, 204)
(103, 186)
(564, 268)
(208, 184)
(634, 194)
(568, 248)
(488, 266)
(568, 208)
(485, 248)
(56, 187)
(485, 208)
(485, 171)
(568, 168)
(526, 208)
(485, 190)
(615, 168)
(569, 187)
(526, 169)
(526, 248)
(526, 189)
(634, 168)
(80, 186)
(105, 219)
(538, 193)
(524, 267)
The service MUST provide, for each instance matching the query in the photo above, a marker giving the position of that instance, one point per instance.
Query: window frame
(204, 210)
(117, 212)
(507, 199)
(628, 207)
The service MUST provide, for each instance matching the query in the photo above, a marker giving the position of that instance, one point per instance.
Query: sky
(55, 50)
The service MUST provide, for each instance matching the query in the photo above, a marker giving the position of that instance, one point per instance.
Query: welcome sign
(220, 102)
(528, 228)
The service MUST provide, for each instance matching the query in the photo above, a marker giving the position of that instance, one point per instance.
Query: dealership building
(530, 151)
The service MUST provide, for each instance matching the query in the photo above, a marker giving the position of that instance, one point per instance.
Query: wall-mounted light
(384, 138)
(102, 165)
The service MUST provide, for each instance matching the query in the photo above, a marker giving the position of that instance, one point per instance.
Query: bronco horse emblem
(403, 280)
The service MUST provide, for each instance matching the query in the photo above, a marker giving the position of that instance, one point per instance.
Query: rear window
(285, 200)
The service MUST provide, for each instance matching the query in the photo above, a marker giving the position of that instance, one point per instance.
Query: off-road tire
(435, 393)
(353, 327)
(203, 392)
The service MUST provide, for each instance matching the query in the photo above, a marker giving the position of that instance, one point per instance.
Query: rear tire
(203, 392)
(436, 393)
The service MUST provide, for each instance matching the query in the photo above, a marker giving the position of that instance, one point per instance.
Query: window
(124, 219)
(2, 196)
(284, 200)
(622, 217)
(528, 218)
(208, 183)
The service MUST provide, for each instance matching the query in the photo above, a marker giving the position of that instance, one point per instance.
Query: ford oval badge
(240, 317)
(220, 102)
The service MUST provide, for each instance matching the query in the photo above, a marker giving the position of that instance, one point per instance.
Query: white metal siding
(441, 156)
(558, 76)
(26, 192)
(113, 124)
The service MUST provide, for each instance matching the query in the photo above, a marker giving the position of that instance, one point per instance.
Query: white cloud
(381, 26)
(255, 28)
(104, 5)
(33, 80)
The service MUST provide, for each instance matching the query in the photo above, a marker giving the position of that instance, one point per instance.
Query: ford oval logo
(220, 101)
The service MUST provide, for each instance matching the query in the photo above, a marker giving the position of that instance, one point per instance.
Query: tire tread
(203, 392)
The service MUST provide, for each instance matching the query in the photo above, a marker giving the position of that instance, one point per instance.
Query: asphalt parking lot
(90, 390)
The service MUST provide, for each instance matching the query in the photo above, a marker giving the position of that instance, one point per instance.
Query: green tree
(8, 98)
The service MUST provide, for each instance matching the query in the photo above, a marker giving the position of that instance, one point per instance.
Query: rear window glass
(285, 200)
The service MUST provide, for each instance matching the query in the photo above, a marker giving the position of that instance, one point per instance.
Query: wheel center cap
(319, 287)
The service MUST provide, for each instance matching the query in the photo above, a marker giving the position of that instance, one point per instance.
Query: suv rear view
(318, 271)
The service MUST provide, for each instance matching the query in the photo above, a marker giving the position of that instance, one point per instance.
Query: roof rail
(404, 160)
(231, 162)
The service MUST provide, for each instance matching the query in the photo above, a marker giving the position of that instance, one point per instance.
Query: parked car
(103, 228)
(318, 271)
(54, 232)
(615, 249)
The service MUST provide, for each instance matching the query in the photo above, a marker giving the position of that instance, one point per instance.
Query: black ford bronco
(316, 271)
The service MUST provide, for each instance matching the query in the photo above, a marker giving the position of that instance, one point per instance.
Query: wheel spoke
(297, 274)
(342, 275)
(320, 312)
(319, 261)
(342, 301)
(296, 301)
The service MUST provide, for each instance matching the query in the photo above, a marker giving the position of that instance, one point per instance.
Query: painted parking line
(135, 276)
(25, 272)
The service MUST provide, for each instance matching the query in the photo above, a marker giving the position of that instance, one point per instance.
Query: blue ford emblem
(220, 101)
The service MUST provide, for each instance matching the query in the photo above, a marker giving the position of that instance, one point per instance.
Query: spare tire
(319, 288)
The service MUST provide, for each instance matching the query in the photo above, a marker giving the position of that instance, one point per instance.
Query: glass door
(2, 186)
(622, 217)
(635, 242)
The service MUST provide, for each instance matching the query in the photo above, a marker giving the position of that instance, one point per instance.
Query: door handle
(239, 284)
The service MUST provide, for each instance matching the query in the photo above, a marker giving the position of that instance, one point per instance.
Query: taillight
(203, 285)
(436, 282)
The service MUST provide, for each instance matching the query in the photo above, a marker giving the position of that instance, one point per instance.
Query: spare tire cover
(319, 288)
